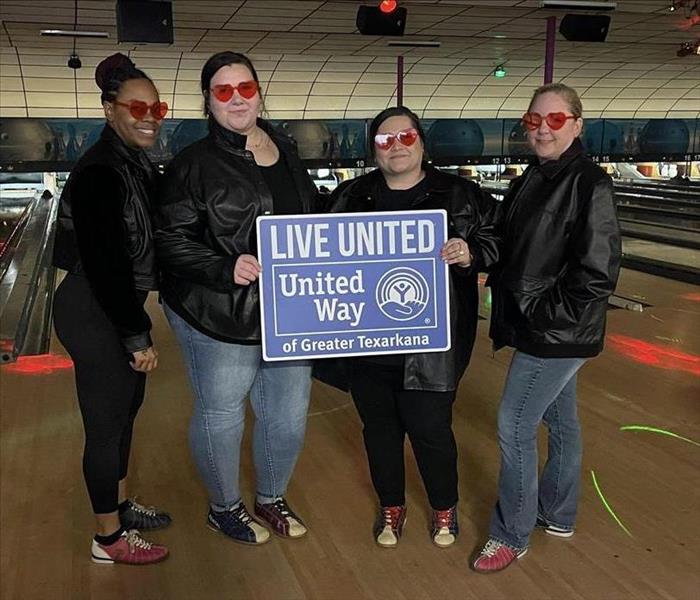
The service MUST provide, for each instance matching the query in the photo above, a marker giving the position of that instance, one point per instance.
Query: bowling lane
(648, 375)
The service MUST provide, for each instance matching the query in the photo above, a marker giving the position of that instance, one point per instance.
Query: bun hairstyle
(113, 71)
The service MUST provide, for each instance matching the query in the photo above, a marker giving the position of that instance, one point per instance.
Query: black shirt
(285, 198)
(395, 200)
(400, 199)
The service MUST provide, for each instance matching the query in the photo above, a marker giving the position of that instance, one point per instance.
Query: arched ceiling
(314, 64)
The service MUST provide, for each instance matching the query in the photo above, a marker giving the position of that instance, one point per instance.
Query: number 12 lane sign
(353, 284)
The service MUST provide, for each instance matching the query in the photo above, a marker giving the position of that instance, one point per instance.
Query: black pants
(110, 392)
(388, 413)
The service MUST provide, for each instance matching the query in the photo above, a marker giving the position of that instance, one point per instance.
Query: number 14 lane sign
(353, 284)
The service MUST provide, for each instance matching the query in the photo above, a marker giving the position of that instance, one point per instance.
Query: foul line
(607, 506)
(657, 430)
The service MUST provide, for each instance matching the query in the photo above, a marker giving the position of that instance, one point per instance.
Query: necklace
(263, 140)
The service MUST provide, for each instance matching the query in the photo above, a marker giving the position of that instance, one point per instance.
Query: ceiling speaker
(585, 28)
(149, 21)
(372, 21)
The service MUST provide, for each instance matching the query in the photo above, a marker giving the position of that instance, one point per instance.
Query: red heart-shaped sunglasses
(407, 137)
(224, 92)
(139, 109)
(555, 120)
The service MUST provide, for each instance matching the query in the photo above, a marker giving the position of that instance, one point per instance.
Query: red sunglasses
(139, 109)
(407, 137)
(556, 120)
(224, 92)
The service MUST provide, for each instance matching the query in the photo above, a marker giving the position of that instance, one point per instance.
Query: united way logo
(402, 294)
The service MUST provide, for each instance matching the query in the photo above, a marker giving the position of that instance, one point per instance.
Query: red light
(656, 355)
(387, 6)
(41, 364)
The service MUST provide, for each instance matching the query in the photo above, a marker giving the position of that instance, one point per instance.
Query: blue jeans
(537, 389)
(222, 376)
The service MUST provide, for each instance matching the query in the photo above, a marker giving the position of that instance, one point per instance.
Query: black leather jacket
(103, 232)
(211, 196)
(560, 259)
(471, 216)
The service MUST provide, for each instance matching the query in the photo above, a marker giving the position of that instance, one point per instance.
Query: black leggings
(388, 413)
(110, 392)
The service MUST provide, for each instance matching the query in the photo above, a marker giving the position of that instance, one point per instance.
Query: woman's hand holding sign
(456, 252)
(246, 270)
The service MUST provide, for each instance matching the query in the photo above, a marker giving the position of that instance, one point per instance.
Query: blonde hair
(568, 94)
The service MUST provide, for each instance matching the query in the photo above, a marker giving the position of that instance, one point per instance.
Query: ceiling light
(689, 48)
(73, 33)
(74, 62)
(593, 5)
(414, 44)
(499, 72)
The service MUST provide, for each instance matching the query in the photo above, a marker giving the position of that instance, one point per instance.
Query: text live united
(353, 284)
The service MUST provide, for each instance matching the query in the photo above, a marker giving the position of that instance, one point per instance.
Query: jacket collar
(232, 141)
(132, 155)
(370, 184)
(552, 168)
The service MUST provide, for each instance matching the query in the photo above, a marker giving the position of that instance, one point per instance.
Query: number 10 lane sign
(353, 284)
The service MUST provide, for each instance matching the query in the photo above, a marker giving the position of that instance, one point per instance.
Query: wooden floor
(648, 375)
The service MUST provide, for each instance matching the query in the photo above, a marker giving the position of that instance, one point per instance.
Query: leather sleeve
(98, 206)
(181, 222)
(593, 267)
(487, 238)
(476, 222)
(338, 200)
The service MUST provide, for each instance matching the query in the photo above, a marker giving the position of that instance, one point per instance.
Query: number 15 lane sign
(353, 284)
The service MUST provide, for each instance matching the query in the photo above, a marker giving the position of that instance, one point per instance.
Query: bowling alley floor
(638, 532)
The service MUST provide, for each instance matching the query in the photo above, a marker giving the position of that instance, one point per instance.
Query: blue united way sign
(353, 284)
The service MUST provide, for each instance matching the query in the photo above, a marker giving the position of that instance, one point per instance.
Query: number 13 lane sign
(353, 284)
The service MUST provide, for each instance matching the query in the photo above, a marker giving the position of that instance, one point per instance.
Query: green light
(606, 505)
(657, 430)
(499, 72)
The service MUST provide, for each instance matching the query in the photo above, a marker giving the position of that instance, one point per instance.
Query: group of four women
(551, 249)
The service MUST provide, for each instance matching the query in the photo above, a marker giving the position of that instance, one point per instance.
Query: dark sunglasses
(407, 137)
(139, 109)
(556, 120)
(224, 92)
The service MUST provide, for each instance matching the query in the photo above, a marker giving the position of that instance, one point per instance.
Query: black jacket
(470, 216)
(211, 196)
(559, 261)
(104, 232)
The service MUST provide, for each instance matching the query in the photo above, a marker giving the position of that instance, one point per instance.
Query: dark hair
(113, 71)
(224, 59)
(394, 111)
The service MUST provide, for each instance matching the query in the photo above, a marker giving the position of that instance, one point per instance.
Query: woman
(559, 263)
(213, 192)
(413, 394)
(104, 241)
